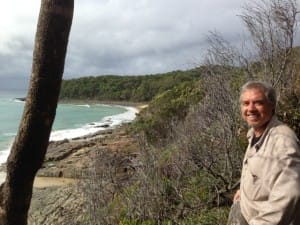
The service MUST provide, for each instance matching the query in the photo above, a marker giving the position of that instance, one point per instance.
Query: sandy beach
(42, 182)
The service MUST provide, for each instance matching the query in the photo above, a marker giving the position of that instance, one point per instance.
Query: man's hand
(236, 196)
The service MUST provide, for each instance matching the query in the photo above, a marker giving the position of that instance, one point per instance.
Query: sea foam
(93, 127)
(108, 122)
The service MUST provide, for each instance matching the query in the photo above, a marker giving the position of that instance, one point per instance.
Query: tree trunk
(30, 145)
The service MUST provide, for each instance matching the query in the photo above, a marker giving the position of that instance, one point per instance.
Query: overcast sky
(132, 37)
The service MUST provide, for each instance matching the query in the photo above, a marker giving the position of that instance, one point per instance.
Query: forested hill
(125, 88)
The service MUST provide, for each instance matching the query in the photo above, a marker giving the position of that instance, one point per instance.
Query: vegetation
(167, 109)
(191, 139)
(125, 88)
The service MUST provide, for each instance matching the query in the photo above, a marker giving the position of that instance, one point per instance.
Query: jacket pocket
(255, 179)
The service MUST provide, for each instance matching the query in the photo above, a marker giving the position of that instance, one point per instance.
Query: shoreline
(104, 102)
(107, 122)
(69, 168)
(137, 105)
(66, 160)
(48, 180)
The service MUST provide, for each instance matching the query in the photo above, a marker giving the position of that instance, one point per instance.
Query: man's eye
(259, 103)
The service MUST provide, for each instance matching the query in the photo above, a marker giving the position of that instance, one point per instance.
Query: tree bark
(30, 145)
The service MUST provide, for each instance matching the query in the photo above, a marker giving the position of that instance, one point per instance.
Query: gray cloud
(127, 37)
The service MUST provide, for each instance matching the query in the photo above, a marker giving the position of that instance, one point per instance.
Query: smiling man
(270, 183)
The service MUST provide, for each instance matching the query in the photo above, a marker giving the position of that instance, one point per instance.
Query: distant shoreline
(137, 105)
(136, 108)
(104, 102)
(57, 181)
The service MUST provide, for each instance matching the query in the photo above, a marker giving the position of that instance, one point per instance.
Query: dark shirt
(254, 140)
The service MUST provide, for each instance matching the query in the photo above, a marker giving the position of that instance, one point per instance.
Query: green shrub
(167, 109)
(215, 216)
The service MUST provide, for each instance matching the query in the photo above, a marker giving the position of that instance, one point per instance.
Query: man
(270, 183)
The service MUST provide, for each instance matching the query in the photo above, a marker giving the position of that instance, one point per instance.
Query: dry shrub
(102, 184)
(211, 134)
(155, 195)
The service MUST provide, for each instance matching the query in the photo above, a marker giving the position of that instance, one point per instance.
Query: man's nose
(251, 106)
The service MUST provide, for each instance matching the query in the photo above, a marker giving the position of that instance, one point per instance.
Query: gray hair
(266, 88)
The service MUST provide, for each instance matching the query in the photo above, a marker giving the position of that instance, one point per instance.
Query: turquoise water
(72, 120)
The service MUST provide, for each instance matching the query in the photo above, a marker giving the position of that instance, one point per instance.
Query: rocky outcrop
(62, 205)
(69, 158)
(22, 99)
(65, 204)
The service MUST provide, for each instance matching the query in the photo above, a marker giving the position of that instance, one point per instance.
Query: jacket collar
(272, 123)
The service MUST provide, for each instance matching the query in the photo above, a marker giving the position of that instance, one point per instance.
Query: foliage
(125, 88)
(129, 222)
(166, 188)
(215, 216)
(289, 104)
(272, 26)
(211, 134)
(167, 109)
(191, 138)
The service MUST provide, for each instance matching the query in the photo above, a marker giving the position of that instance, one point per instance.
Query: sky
(120, 37)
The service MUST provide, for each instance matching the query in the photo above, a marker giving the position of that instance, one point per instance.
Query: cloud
(121, 37)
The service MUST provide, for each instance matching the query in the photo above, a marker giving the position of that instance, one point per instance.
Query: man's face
(256, 109)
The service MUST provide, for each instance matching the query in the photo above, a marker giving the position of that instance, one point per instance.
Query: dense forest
(191, 137)
(125, 88)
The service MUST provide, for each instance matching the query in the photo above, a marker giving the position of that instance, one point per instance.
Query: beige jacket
(270, 182)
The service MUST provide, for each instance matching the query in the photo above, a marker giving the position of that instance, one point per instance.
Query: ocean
(72, 120)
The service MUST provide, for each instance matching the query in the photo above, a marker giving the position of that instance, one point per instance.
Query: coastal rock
(56, 205)
(65, 205)
(23, 99)
(70, 158)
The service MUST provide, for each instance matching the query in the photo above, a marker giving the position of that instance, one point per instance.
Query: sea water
(71, 121)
